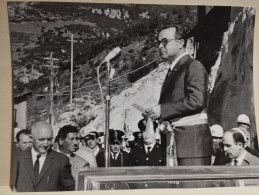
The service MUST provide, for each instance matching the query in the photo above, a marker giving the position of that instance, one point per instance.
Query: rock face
(123, 116)
(231, 79)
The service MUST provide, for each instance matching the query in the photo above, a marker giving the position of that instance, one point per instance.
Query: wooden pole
(72, 68)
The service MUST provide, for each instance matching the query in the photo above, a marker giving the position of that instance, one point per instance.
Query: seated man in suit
(234, 142)
(40, 168)
(118, 158)
(149, 153)
(68, 141)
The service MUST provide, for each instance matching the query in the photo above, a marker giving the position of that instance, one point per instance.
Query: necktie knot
(114, 156)
(38, 156)
(148, 149)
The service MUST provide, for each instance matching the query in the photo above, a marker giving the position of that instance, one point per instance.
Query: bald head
(42, 135)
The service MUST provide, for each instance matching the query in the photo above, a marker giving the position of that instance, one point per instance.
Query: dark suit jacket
(138, 156)
(183, 94)
(55, 174)
(121, 161)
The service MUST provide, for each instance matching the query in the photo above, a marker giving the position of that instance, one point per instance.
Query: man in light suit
(40, 168)
(68, 142)
(234, 141)
(183, 94)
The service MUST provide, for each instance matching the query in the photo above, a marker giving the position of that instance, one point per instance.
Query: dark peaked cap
(143, 123)
(115, 136)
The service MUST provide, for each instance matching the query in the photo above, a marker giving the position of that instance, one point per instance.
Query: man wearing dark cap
(68, 142)
(118, 158)
(149, 153)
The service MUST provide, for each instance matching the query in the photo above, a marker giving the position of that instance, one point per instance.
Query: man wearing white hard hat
(244, 123)
(84, 151)
(218, 157)
(90, 140)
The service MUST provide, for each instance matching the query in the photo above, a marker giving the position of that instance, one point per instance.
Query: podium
(113, 178)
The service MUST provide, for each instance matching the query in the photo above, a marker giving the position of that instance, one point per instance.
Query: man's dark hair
(180, 33)
(63, 131)
(237, 136)
(23, 131)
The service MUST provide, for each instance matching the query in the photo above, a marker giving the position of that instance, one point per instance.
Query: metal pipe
(107, 120)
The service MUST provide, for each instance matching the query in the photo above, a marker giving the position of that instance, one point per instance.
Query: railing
(113, 178)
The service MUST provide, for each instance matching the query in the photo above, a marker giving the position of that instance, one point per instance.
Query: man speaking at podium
(183, 99)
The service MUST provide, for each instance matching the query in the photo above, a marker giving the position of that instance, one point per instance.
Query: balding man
(234, 142)
(183, 98)
(40, 168)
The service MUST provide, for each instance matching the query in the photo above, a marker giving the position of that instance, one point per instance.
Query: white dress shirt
(41, 159)
(151, 145)
(177, 59)
(239, 159)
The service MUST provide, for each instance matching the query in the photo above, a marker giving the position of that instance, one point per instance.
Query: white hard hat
(216, 131)
(88, 130)
(243, 118)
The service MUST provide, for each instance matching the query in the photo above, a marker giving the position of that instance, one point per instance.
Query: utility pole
(72, 67)
(51, 66)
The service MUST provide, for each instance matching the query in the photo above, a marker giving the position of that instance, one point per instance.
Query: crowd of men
(42, 164)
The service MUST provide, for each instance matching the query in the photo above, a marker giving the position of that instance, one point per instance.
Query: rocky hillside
(39, 28)
(231, 84)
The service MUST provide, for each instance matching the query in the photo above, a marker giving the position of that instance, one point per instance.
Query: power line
(116, 78)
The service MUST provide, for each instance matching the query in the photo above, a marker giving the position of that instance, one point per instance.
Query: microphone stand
(107, 119)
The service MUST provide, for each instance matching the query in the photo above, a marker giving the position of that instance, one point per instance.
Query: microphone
(112, 55)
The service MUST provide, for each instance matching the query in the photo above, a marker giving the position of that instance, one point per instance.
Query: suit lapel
(172, 74)
(247, 159)
(48, 161)
(28, 164)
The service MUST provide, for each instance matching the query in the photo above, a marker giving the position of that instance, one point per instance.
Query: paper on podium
(139, 108)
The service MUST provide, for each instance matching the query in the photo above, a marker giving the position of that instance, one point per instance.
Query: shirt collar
(177, 60)
(62, 152)
(151, 145)
(116, 154)
(240, 158)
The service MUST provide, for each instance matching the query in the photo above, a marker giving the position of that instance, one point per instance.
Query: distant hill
(38, 28)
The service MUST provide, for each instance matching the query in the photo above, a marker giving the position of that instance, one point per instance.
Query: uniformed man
(118, 158)
(148, 153)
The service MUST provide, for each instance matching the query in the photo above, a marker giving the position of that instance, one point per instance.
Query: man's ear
(181, 43)
(60, 141)
(240, 144)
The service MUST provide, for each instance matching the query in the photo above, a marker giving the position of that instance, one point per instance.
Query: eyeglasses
(165, 41)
